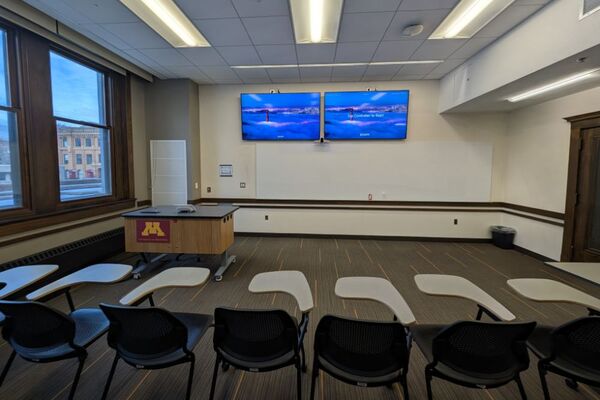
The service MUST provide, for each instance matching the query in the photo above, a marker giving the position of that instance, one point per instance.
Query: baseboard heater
(73, 256)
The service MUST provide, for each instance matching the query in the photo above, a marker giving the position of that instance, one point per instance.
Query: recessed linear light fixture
(468, 17)
(350, 64)
(168, 21)
(316, 21)
(556, 85)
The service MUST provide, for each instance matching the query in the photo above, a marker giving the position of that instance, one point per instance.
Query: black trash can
(503, 236)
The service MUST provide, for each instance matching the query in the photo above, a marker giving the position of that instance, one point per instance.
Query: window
(78, 103)
(65, 142)
(88, 159)
(10, 176)
(65, 158)
(99, 157)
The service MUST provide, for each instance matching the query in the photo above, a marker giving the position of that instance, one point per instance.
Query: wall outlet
(455, 221)
(242, 185)
(196, 185)
(208, 189)
(266, 217)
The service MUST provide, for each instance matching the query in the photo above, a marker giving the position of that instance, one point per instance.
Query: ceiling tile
(277, 54)
(261, 8)
(446, 67)
(315, 74)
(438, 49)
(284, 75)
(138, 55)
(253, 74)
(315, 53)
(407, 77)
(417, 5)
(63, 11)
(355, 52)
(223, 32)
(472, 47)
(396, 51)
(202, 56)
(382, 70)
(507, 20)
(201, 9)
(429, 19)
(220, 73)
(240, 55)
(105, 35)
(417, 69)
(364, 27)
(348, 72)
(189, 72)
(138, 35)
(376, 78)
(269, 30)
(102, 12)
(167, 57)
(359, 6)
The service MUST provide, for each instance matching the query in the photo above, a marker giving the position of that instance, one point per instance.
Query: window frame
(15, 95)
(29, 72)
(109, 121)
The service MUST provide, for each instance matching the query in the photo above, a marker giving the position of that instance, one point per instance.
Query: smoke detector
(412, 30)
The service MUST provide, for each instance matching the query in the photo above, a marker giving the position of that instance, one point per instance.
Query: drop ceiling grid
(253, 31)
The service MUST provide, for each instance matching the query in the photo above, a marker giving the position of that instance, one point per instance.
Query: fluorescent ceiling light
(316, 21)
(555, 85)
(468, 17)
(355, 64)
(168, 21)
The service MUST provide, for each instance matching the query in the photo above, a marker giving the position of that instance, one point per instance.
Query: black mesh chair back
(363, 348)
(480, 348)
(256, 341)
(578, 342)
(31, 327)
(137, 333)
(250, 335)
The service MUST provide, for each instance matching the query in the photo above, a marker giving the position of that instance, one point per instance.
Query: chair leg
(299, 378)
(521, 388)
(315, 374)
(188, 393)
(76, 380)
(214, 378)
(404, 384)
(110, 377)
(11, 358)
(428, 378)
(303, 357)
(542, 372)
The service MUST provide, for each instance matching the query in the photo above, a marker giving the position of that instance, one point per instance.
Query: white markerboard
(168, 172)
(404, 171)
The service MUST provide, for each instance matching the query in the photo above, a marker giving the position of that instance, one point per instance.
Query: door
(586, 229)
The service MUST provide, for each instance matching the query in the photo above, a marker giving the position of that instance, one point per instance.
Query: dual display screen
(348, 115)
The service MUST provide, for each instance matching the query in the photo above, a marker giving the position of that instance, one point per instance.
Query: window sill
(10, 226)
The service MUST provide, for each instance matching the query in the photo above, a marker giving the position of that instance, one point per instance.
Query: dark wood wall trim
(144, 203)
(365, 237)
(430, 206)
(58, 230)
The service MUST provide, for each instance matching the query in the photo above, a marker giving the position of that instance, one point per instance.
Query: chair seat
(262, 364)
(540, 343)
(424, 335)
(196, 325)
(90, 324)
(363, 376)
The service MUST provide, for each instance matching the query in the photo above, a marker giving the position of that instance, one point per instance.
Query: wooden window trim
(42, 207)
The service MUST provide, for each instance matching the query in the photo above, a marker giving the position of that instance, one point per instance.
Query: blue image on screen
(366, 115)
(281, 116)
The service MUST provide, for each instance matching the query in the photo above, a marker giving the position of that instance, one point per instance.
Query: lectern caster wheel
(218, 278)
(233, 259)
(137, 275)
